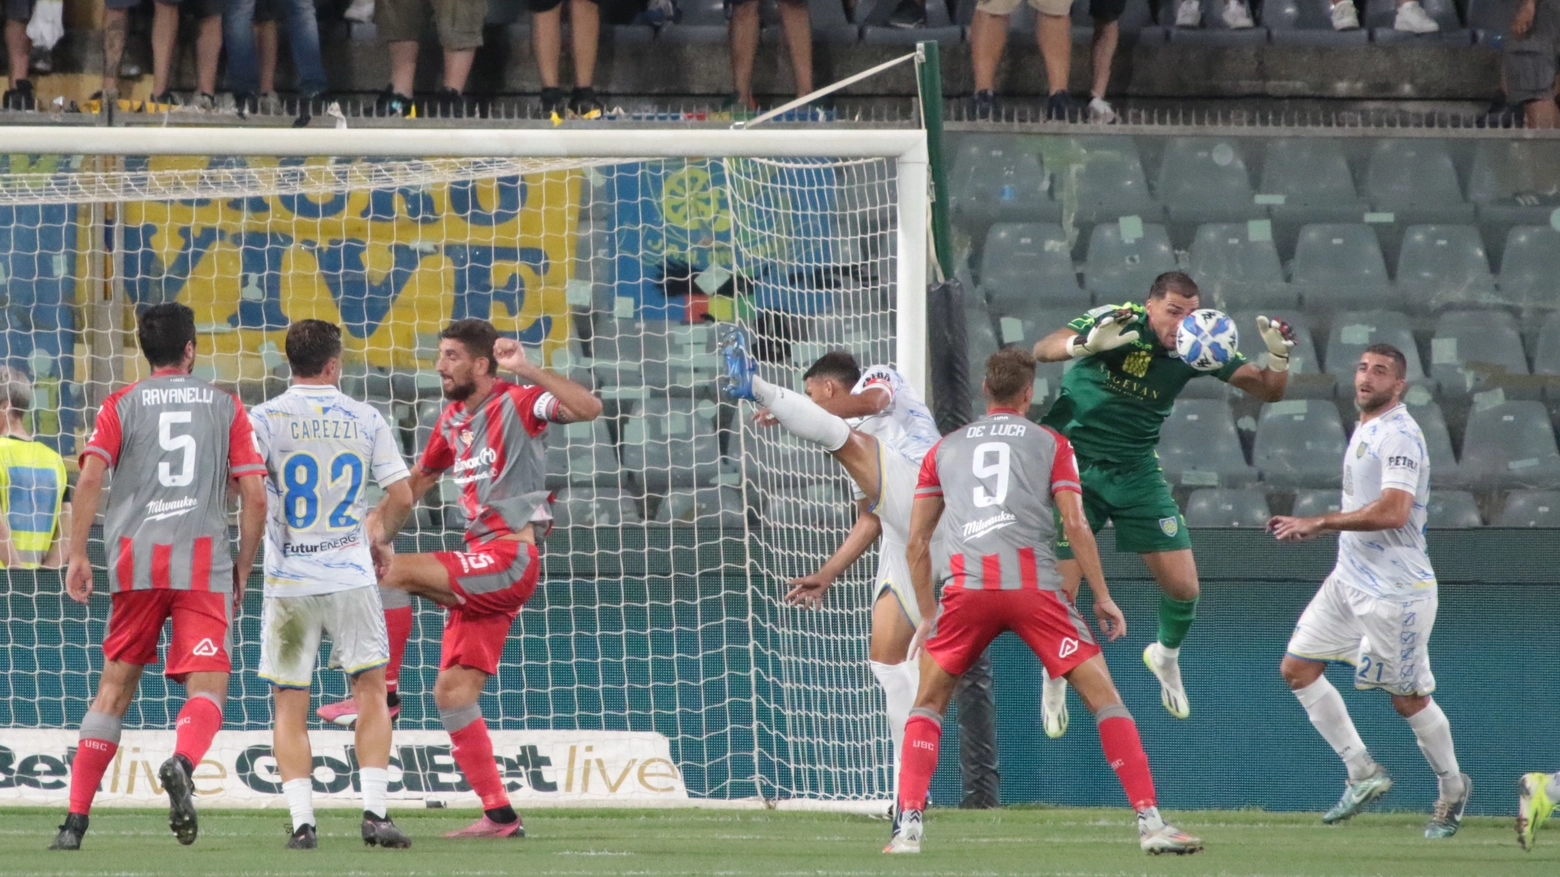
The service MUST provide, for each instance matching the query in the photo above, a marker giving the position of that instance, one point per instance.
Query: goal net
(677, 521)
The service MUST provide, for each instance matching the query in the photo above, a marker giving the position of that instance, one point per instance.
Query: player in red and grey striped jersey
(173, 442)
(995, 486)
(489, 440)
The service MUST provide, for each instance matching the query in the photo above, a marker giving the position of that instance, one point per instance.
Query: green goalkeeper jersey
(1112, 404)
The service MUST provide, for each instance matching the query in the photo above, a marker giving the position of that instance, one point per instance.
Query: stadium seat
(679, 360)
(1339, 265)
(1048, 382)
(1546, 356)
(1204, 179)
(1490, 20)
(1136, 23)
(581, 453)
(1310, 174)
(1444, 266)
(1120, 268)
(665, 446)
(875, 27)
(981, 336)
(1198, 446)
(1380, 14)
(1515, 182)
(821, 506)
(1306, 378)
(997, 179)
(1452, 509)
(1415, 181)
(1299, 443)
(1025, 265)
(1306, 23)
(617, 353)
(1105, 179)
(1530, 268)
(1353, 331)
(594, 507)
(1473, 351)
(1510, 444)
(1214, 32)
(1314, 503)
(1531, 508)
(1227, 507)
(704, 507)
(1236, 269)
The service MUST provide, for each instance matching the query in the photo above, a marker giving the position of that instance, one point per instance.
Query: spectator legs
(1541, 114)
(403, 65)
(1054, 34)
(303, 38)
(547, 43)
(242, 38)
(585, 31)
(457, 67)
(1106, 34)
(208, 51)
(797, 23)
(18, 46)
(165, 32)
(116, 24)
(265, 51)
(743, 28)
(988, 37)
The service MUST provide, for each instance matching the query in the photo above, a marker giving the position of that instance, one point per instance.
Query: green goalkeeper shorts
(1135, 496)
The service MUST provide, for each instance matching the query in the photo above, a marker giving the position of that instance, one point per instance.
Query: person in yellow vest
(34, 514)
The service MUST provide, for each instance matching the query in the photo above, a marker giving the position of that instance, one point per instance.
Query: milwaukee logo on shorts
(1069, 645)
(205, 648)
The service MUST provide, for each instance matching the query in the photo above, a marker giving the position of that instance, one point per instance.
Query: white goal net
(614, 262)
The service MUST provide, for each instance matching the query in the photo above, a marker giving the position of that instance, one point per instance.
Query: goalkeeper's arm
(1107, 333)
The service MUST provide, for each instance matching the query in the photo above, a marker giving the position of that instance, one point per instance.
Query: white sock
(1054, 688)
(801, 416)
(899, 683)
(300, 800)
(1328, 713)
(1434, 734)
(375, 781)
(1553, 787)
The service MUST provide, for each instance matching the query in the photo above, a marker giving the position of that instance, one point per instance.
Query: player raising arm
(1377, 608)
(490, 439)
(998, 486)
(1111, 407)
(173, 443)
(320, 448)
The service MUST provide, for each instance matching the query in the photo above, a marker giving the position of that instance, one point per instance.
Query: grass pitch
(579, 843)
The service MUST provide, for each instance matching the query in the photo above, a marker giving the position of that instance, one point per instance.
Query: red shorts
(494, 581)
(202, 635)
(968, 620)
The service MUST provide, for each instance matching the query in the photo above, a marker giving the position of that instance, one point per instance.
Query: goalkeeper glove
(1280, 339)
(1106, 335)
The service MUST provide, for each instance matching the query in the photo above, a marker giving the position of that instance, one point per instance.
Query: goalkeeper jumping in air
(878, 428)
(1111, 406)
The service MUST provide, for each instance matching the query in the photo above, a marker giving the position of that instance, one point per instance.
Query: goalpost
(612, 253)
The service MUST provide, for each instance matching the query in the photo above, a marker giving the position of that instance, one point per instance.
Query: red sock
(398, 622)
(198, 723)
(918, 761)
(86, 772)
(1124, 750)
(474, 754)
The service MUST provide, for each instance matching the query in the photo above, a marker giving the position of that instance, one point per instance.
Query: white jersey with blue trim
(320, 448)
(1387, 452)
(906, 425)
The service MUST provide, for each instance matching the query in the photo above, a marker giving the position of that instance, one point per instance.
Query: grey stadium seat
(1339, 265)
(1306, 23)
(1312, 176)
(823, 506)
(995, 179)
(1028, 264)
(665, 447)
(1530, 268)
(981, 336)
(1546, 355)
(1307, 380)
(1380, 14)
(1416, 181)
(1444, 265)
(581, 453)
(1353, 331)
(1490, 20)
(1299, 443)
(704, 507)
(1227, 507)
(1048, 381)
(1104, 176)
(594, 507)
(1214, 32)
(1313, 503)
(1204, 179)
(1236, 270)
(1515, 182)
(1510, 444)
(1120, 270)
(1452, 509)
(1531, 508)
(1198, 446)
(1473, 351)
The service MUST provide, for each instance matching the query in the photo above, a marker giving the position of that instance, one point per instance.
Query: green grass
(1071, 842)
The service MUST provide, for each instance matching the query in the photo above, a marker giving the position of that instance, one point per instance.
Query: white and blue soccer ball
(1207, 339)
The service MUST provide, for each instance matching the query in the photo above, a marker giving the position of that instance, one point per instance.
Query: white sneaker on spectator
(1411, 17)
(1100, 111)
(1237, 16)
(1188, 13)
(1344, 16)
(360, 10)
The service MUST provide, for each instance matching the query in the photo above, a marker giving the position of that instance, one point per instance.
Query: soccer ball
(1207, 340)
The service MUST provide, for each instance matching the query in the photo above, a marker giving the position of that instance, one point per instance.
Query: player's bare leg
(1368, 781)
(100, 732)
(900, 679)
(421, 575)
(1176, 573)
(456, 693)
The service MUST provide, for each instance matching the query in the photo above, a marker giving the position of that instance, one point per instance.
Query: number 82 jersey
(320, 448)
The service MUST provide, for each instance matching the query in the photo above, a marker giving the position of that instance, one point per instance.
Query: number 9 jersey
(320, 448)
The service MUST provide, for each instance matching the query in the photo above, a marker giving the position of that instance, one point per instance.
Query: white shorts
(893, 576)
(291, 629)
(897, 475)
(1387, 640)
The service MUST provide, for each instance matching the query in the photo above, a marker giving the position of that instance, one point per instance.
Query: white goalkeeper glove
(1280, 339)
(1107, 334)
(48, 23)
